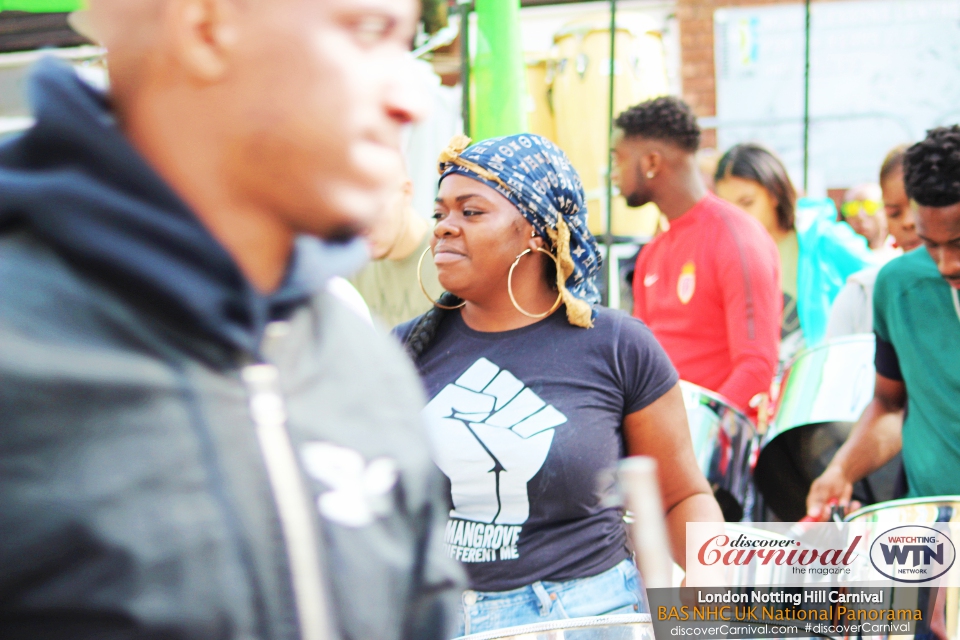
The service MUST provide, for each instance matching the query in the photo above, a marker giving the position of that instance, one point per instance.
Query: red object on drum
(725, 447)
(830, 504)
(754, 456)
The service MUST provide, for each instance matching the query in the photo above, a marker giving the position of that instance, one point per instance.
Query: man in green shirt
(917, 326)
(389, 283)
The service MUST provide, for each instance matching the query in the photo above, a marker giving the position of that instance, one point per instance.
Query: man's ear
(204, 33)
(651, 162)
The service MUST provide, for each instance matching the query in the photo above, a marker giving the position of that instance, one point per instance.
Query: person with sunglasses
(389, 283)
(817, 254)
(852, 310)
(863, 210)
(536, 392)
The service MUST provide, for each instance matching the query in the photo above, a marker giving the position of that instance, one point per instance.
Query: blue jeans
(615, 591)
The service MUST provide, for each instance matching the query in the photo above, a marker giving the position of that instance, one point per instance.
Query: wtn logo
(897, 554)
(912, 553)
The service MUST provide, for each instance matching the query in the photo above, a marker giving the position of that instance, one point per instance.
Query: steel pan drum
(910, 510)
(623, 627)
(823, 393)
(723, 441)
(945, 509)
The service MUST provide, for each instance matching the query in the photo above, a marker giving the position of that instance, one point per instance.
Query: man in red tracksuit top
(708, 286)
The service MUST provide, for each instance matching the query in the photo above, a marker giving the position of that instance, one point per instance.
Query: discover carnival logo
(745, 550)
(912, 553)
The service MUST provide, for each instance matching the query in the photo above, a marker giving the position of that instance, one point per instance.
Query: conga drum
(942, 510)
(723, 442)
(823, 393)
(541, 68)
(581, 91)
(619, 627)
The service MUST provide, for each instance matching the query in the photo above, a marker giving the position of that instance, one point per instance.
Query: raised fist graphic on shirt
(490, 435)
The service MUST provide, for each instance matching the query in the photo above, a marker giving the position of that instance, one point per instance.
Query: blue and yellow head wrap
(536, 176)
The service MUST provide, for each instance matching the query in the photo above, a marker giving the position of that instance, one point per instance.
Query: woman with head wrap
(536, 392)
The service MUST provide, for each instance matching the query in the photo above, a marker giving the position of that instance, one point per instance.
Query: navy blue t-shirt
(527, 427)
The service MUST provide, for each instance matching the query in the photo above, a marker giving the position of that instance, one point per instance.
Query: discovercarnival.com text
(749, 630)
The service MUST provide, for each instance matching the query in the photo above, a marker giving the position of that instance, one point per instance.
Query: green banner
(42, 6)
(499, 74)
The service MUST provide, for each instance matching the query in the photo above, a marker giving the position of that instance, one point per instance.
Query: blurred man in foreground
(917, 325)
(188, 444)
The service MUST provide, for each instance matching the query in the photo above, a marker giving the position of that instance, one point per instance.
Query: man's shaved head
(128, 28)
(285, 109)
(114, 19)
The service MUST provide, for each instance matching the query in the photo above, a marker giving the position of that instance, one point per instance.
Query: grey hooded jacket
(180, 457)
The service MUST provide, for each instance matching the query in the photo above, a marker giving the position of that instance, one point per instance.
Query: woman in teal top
(817, 254)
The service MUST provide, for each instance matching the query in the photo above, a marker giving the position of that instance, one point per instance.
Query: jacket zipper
(294, 505)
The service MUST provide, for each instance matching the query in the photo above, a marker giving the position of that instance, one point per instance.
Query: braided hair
(425, 328)
(931, 170)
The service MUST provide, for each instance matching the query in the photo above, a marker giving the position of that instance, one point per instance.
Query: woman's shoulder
(608, 315)
(402, 330)
(617, 325)
(641, 365)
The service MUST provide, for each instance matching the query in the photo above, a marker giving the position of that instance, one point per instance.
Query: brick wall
(696, 54)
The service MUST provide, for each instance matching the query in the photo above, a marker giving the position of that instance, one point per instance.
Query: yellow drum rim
(585, 29)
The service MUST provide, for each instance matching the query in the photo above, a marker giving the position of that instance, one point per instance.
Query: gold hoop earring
(536, 316)
(424, 289)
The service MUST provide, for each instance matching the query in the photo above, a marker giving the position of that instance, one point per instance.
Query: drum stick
(637, 476)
